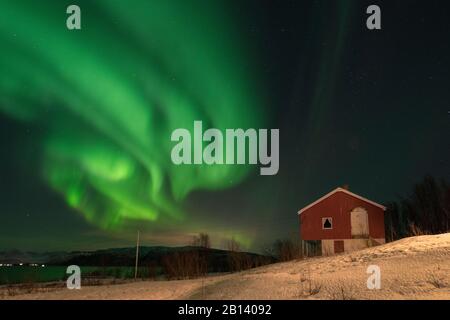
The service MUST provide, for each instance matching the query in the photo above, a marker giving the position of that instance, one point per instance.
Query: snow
(411, 268)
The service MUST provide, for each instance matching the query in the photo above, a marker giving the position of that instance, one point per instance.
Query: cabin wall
(355, 244)
(350, 245)
(338, 207)
(327, 247)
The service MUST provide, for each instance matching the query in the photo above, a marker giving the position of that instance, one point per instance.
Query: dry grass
(437, 279)
(342, 291)
(27, 289)
(308, 287)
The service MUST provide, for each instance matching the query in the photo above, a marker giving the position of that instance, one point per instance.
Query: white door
(359, 223)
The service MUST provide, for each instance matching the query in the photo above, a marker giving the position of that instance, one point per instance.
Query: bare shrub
(437, 280)
(152, 270)
(415, 230)
(30, 282)
(283, 250)
(286, 250)
(11, 291)
(341, 291)
(308, 287)
(239, 261)
(185, 265)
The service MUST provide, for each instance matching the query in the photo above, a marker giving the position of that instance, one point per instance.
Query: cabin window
(327, 223)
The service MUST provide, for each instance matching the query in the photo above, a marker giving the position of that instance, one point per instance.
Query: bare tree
(234, 255)
(425, 211)
(185, 265)
(202, 240)
(233, 245)
(286, 250)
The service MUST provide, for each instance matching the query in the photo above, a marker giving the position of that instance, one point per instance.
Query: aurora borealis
(110, 94)
(86, 115)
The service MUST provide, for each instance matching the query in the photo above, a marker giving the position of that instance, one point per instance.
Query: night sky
(86, 115)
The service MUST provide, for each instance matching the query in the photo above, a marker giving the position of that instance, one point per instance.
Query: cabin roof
(345, 191)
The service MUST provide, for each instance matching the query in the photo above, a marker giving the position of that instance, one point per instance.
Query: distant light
(20, 264)
(1, 264)
(43, 265)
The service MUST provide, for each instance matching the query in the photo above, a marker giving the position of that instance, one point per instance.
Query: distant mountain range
(26, 257)
(120, 256)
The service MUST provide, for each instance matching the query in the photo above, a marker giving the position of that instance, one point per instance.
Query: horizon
(119, 248)
(89, 106)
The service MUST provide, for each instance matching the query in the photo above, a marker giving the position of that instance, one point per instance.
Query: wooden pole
(137, 256)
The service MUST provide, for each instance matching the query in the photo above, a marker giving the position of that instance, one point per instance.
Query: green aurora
(107, 98)
(86, 116)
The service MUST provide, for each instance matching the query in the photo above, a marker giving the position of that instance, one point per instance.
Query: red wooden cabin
(342, 221)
